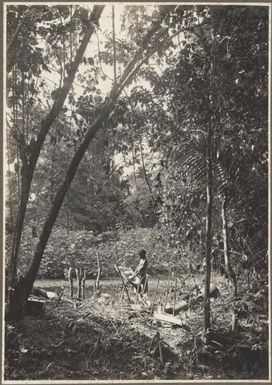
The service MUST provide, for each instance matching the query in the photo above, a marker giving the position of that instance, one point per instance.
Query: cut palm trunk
(179, 306)
(168, 318)
(44, 293)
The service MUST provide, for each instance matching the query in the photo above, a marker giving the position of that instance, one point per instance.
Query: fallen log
(180, 306)
(170, 319)
(44, 293)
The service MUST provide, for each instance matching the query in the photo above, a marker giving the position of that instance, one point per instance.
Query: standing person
(141, 271)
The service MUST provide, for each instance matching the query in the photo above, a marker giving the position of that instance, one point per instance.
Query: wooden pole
(98, 271)
(160, 348)
(155, 295)
(83, 284)
(61, 294)
(70, 278)
(79, 281)
(124, 284)
(167, 291)
(175, 292)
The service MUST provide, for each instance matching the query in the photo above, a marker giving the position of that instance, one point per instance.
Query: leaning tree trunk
(227, 262)
(34, 149)
(209, 186)
(18, 295)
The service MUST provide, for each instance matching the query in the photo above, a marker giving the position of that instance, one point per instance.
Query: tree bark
(209, 182)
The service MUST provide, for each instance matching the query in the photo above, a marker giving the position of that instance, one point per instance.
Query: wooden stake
(175, 292)
(79, 275)
(83, 284)
(155, 295)
(70, 277)
(61, 294)
(160, 348)
(124, 284)
(98, 271)
(156, 345)
(167, 291)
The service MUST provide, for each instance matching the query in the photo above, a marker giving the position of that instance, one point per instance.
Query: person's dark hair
(142, 253)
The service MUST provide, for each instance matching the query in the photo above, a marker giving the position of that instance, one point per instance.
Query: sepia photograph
(136, 153)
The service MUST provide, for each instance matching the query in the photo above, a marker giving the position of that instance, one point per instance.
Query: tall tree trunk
(209, 204)
(29, 164)
(227, 262)
(209, 186)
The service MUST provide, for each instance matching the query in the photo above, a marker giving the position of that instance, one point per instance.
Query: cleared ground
(102, 338)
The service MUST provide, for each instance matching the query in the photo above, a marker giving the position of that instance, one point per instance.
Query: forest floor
(104, 339)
